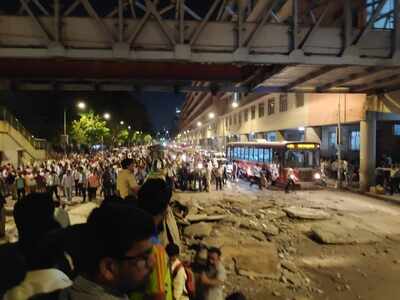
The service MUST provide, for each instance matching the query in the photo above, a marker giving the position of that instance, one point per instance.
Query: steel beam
(309, 76)
(203, 23)
(347, 25)
(340, 82)
(57, 22)
(396, 31)
(70, 9)
(92, 13)
(369, 24)
(375, 84)
(162, 25)
(37, 22)
(258, 27)
(314, 28)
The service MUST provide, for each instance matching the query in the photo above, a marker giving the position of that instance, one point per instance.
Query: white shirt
(179, 281)
(39, 282)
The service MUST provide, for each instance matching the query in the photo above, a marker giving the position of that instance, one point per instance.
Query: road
(304, 245)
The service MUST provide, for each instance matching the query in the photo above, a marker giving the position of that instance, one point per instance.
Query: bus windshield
(301, 159)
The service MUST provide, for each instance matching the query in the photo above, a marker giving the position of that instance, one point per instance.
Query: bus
(278, 157)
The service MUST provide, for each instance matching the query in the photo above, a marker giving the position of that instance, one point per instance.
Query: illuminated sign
(302, 146)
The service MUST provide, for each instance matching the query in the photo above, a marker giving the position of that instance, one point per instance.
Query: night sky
(42, 113)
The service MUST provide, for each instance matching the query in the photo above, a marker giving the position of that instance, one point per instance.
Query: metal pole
(339, 152)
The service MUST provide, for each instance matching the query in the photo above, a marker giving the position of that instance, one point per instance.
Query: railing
(5, 115)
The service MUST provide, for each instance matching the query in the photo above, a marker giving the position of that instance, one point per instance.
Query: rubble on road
(341, 233)
(306, 213)
(198, 230)
(258, 260)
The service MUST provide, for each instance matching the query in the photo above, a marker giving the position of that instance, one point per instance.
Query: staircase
(17, 145)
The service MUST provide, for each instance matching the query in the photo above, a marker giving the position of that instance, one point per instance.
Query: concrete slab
(307, 213)
(258, 260)
(199, 230)
(343, 233)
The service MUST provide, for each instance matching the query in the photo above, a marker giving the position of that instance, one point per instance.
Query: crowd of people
(129, 248)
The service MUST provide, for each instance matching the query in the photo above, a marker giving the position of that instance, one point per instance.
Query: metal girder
(258, 27)
(91, 11)
(216, 43)
(204, 22)
(375, 84)
(396, 31)
(315, 27)
(369, 24)
(162, 25)
(70, 9)
(261, 75)
(337, 83)
(113, 86)
(309, 77)
(37, 22)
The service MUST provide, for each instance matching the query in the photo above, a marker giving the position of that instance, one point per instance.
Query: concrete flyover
(264, 36)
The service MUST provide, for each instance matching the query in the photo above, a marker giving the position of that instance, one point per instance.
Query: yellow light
(301, 146)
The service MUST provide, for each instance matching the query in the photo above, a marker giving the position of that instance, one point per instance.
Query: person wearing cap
(126, 182)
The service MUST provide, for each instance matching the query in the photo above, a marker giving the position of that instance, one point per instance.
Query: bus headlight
(317, 176)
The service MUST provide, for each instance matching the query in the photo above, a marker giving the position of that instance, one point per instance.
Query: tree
(147, 139)
(90, 129)
(123, 136)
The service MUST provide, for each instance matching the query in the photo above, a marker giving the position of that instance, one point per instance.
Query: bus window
(241, 153)
(246, 153)
(255, 155)
(251, 151)
(300, 159)
(235, 153)
(261, 155)
(267, 155)
(228, 154)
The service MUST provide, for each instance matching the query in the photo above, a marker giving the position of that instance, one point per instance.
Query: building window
(355, 140)
(332, 139)
(246, 115)
(385, 19)
(396, 129)
(234, 119)
(240, 117)
(271, 106)
(283, 105)
(299, 99)
(271, 136)
(253, 112)
(261, 110)
(230, 120)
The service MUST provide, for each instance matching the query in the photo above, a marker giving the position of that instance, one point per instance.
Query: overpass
(237, 44)
(17, 145)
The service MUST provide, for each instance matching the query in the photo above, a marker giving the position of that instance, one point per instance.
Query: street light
(122, 122)
(107, 116)
(81, 105)
(129, 127)
(211, 115)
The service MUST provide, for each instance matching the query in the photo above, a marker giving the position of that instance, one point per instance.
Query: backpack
(190, 283)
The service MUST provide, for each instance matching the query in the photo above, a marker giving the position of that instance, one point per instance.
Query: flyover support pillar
(367, 150)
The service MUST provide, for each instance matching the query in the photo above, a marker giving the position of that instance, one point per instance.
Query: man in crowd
(126, 182)
(178, 273)
(213, 279)
(113, 265)
(67, 184)
(154, 197)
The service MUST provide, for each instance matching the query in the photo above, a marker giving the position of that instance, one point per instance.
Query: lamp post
(81, 106)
